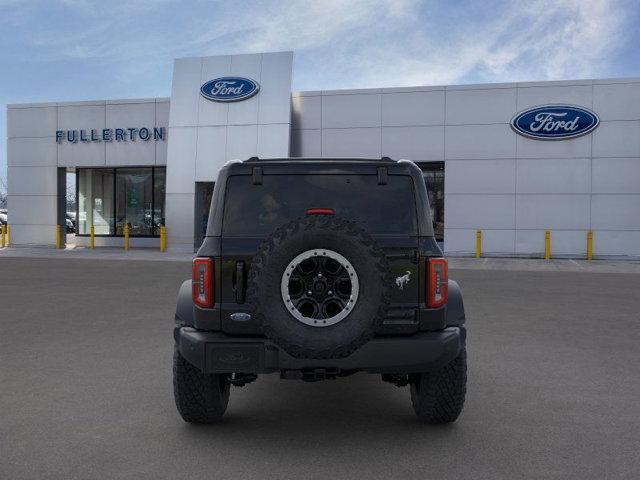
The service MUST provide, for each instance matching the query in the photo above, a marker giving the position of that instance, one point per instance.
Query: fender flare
(455, 306)
(184, 306)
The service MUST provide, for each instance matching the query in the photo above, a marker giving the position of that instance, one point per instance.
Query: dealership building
(511, 159)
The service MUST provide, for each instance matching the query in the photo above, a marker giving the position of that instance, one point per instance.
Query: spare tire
(318, 285)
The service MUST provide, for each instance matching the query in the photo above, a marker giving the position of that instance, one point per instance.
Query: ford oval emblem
(229, 89)
(555, 122)
(240, 317)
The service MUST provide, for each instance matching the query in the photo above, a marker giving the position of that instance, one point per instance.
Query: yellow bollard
(163, 238)
(3, 233)
(58, 237)
(547, 244)
(8, 235)
(478, 243)
(589, 245)
(92, 237)
(126, 236)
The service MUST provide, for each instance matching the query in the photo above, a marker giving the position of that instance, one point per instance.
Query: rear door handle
(240, 282)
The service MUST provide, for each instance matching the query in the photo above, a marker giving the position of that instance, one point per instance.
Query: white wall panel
(616, 243)
(32, 122)
(81, 154)
(32, 180)
(617, 139)
(494, 242)
(413, 143)
(574, 148)
(412, 108)
(185, 92)
(180, 226)
(125, 115)
(617, 102)
(182, 151)
(26, 235)
(348, 111)
(242, 142)
(495, 105)
(275, 80)
(82, 117)
(36, 152)
(567, 243)
(568, 212)
(480, 176)
(558, 175)
(211, 152)
(208, 112)
(615, 212)
(616, 175)
(162, 120)
(246, 111)
(351, 142)
(541, 95)
(273, 140)
(479, 142)
(306, 112)
(137, 152)
(306, 143)
(479, 211)
(32, 210)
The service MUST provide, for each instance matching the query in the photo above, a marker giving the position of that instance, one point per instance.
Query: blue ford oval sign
(555, 122)
(229, 89)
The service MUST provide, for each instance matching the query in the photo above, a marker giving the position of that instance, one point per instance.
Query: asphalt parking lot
(85, 386)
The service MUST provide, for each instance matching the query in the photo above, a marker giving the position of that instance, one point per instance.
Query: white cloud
(362, 43)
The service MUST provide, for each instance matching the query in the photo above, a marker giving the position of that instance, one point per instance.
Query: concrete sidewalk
(456, 263)
(102, 253)
(540, 265)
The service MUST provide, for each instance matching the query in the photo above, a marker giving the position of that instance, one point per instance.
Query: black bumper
(214, 352)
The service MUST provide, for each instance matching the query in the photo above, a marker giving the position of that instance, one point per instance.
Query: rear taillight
(320, 211)
(202, 282)
(437, 282)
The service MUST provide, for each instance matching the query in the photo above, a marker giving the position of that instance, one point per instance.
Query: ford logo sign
(555, 122)
(229, 89)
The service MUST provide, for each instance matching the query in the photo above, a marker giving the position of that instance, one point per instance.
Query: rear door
(386, 210)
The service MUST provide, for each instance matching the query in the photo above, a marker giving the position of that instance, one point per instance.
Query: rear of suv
(317, 269)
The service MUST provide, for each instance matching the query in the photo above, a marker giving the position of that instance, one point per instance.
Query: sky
(88, 50)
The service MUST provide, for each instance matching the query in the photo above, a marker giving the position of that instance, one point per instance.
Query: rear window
(252, 210)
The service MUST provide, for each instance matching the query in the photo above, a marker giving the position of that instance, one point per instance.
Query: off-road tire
(200, 397)
(317, 232)
(438, 397)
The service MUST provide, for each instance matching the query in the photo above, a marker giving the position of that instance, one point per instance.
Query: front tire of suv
(438, 397)
(200, 397)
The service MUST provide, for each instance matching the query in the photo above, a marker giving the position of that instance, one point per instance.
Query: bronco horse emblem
(403, 280)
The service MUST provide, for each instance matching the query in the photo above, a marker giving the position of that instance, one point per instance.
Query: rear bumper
(214, 352)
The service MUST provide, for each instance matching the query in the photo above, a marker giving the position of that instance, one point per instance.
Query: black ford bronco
(317, 269)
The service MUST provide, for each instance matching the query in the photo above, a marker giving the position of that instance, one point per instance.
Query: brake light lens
(320, 211)
(202, 282)
(437, 282)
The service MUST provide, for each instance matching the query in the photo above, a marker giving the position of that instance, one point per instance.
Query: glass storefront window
(134, 194)
(109, 199)
(95, 201)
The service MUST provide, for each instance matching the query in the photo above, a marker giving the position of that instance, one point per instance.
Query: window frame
(155, 230)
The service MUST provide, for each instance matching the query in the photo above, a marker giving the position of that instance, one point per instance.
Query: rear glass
(259, 209)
